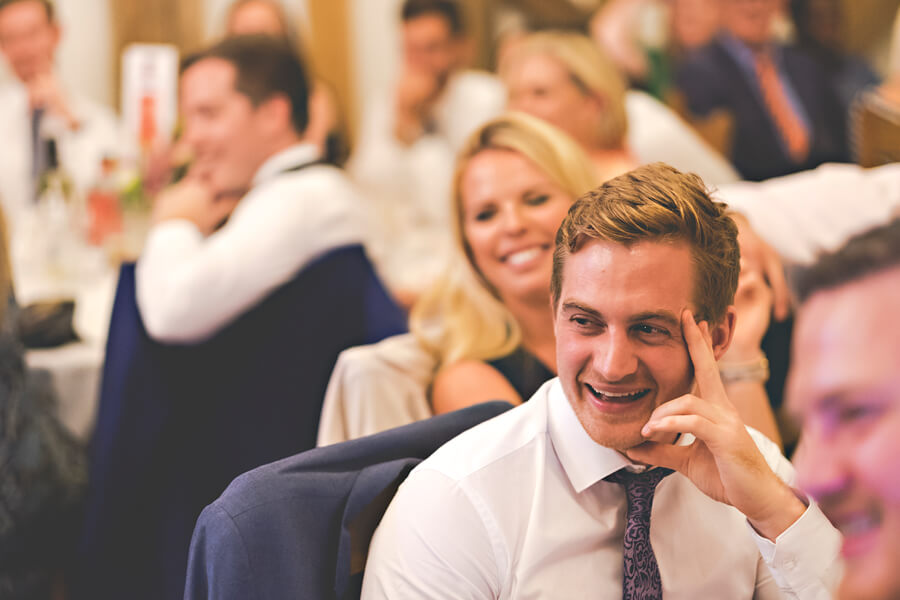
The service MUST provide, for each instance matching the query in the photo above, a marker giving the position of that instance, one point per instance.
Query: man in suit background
(786, 115)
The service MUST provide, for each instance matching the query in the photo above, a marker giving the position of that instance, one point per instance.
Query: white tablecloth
(75, 368)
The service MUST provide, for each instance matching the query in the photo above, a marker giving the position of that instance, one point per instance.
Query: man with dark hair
(844, 388)
(554, 498)
(408, 141)
(252, 280)
(37, 107)
(244, 103)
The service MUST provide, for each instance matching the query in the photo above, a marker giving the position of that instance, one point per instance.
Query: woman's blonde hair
(590, 69)
(461, 316)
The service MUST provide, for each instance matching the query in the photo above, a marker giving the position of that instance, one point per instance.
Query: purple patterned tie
(640, 579)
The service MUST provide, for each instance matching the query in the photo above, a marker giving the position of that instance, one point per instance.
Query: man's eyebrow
(665, 316)
(572, 305)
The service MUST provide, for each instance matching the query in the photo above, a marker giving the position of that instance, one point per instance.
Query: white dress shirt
(517, 508)
(80, 152)
(657, 134)
(806, 213)
(189, 286)
(408, 187)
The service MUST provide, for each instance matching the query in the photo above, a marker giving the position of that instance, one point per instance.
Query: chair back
(177, 423)
(301, 527)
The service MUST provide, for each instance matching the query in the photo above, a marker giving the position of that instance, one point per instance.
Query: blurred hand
(193, 200)
(758, 256)
(416, 93)
(753, 303)
(44, 91)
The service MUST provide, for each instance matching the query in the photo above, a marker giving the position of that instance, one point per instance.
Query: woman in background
(488, 319)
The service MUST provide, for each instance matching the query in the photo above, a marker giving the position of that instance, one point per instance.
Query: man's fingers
(660, 455)
(700, 427)
(778, 282)
(700, 349)
(689, 404)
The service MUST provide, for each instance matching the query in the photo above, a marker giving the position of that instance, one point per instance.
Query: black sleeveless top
(523, 370)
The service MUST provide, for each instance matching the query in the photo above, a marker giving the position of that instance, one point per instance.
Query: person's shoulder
(520, 431)
(707, 58)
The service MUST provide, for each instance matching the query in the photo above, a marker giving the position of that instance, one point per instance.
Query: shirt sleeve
(804, 561)
(188, 286)
(433, 542)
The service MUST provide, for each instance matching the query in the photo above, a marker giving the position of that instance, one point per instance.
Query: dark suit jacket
(300, 527)
(712, 79)
(177, 423)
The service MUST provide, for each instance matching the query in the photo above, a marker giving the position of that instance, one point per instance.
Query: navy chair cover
(177, 423)
(301, 527)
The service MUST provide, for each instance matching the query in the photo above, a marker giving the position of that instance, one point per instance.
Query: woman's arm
(469, 382)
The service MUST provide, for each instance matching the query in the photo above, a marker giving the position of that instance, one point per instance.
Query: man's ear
(276, 113)
(723, 333)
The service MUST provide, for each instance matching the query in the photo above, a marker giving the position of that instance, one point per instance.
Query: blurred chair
(301, 527)
(177, 423)
(875, 128)
(376, 387)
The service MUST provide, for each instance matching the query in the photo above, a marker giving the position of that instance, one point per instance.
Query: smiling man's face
(619, 347)
(844, 388)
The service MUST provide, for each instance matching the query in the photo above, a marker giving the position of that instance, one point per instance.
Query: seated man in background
(532, 504)
(787, 117)
(844, 388)
(251, 282)
(37, 108)
(409, 138)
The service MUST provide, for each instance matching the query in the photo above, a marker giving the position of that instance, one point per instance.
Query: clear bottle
(58, 216)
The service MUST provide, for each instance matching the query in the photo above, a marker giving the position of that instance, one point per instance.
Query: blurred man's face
(28, 39)
(845, 389)
(750, 20)
(221, 126)
(429, 46)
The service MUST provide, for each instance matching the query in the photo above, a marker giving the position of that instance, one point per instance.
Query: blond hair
(461, 316)
(658, 203)
(590, 69)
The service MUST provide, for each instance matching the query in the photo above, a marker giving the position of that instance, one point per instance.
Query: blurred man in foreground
(845, 389)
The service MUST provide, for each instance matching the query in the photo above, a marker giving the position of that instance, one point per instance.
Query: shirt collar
(585, 461)
(292, 156)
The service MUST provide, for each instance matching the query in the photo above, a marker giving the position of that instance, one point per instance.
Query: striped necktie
(640, 577)
(791, 128)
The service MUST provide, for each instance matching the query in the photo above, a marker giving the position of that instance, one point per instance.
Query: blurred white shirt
(408, 187)
(190, 286)
(804, 214)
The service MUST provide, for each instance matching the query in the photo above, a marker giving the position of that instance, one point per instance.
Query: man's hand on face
(723, 462)
(194, 200)
(44, 91)
(417, 91)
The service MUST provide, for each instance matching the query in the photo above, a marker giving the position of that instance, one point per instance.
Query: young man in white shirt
(37, 106)
(644, 275)
(244, 103)
(844, 388)
(409, 139)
